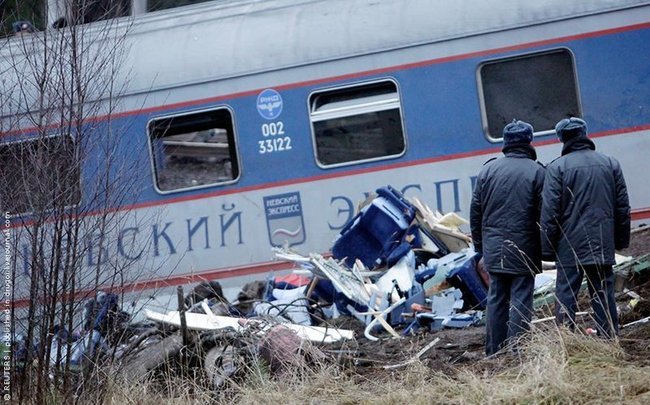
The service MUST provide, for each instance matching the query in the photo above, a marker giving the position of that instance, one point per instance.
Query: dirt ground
(464, 347)
(639, 242)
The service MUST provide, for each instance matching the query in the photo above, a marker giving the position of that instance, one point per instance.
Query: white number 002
(273, 128)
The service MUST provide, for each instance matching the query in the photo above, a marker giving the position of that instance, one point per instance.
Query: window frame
(336, 113)
(481, 95)
(152, 158)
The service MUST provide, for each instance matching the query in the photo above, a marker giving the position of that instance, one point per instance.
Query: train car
(242, 125)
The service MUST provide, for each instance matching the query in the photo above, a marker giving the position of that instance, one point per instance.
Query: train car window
(39, 174)
(355, 124)
(194, 150)
(88, 11)
(98, 10)
(155, 5)
(538, 88)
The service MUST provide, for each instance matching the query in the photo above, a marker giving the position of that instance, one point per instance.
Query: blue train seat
(462, 273)
(378, 229)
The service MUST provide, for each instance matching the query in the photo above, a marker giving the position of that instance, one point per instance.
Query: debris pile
(396, 264)
(398, 268)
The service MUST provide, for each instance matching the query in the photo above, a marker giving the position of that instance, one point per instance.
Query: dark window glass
(155, 5)
(39, 174)
(97, 10)
(20, 17)
(357, 124)
(538, 88)
(194, 150)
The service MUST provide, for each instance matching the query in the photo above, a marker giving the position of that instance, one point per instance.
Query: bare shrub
(63, 177)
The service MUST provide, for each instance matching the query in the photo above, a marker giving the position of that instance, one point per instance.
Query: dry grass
(179, 391)
(554, 366)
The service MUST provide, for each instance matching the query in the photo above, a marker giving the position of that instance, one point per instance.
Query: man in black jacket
(504, 216)
(585, 218)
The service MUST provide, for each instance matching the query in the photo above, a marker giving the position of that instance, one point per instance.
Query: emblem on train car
(284, 219)
(269, 104)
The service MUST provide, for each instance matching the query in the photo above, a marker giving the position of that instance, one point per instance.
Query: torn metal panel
(462, 320)
(347, 282)
(196, 321)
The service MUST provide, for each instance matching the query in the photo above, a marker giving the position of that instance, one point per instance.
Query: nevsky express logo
(284, 219)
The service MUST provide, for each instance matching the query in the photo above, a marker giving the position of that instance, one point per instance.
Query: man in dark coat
(504, 216)
(585, 218)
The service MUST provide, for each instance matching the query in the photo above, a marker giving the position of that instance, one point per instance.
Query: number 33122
(274, 145)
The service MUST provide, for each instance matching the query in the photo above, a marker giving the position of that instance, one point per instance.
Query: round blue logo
(269, 104)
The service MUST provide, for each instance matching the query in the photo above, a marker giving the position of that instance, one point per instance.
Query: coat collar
(523, 150)
(579, 143)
